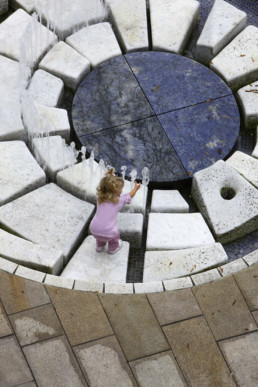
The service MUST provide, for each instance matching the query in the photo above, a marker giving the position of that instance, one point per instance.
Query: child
(104, 226)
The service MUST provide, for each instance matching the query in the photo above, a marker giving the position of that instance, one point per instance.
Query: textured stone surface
(246, 165)
(227, 316)
(86, 286)
(247, 281)
(29, 254)
(19, 171)
(158, 370)
(30, 274)
(232, 267)
(177, 231)
(131, 227)
(242, 357)
(251, 258)
(66, 63)
(207, 276)
(22, 23)
(229, 219)
(178, 283)
(46, 89)
(56, 356)
(132, 318)
(104, 363)
(27, 5)
(97, 43)
(197, 353)
(5, 326)
(255, 151)
(130, 23)
(52, 217)
(148, 287)
(223, 23)
(168, 201)
(248, 98)
(59, 282)
(8, 266)
(89, 265)
(81, 315)
(118, 288)
(237, 63)
(165, 265)
(172, 23)
(54, 121)
(36, 324)
(174, 306)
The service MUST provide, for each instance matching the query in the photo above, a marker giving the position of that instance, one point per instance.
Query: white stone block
(232, 267)
(164, 265)
(248, 98)
(96, 287)
(246, 165)
(30, 274)
(89, 265)
(178, 283)
(168, 201)
(177, 231)
(130, 22)
(148, 287)
(206, 276)
(59, 282)
(229, 218)
(46, 89)
(48, 216)
(97, 43)
(3, 6)
(255, 151)
(83, 179)
(172, 22)
(237, 63)
(27, 5)
(251, 258)
(34, 256)
(52, 154)
(118, 288)
(8, 266)
(66, 63)
(53, 121)
(19, 171)
(223, 23)
(131, 226)
(19, 28)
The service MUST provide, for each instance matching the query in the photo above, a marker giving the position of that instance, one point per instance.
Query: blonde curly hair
(108, 187)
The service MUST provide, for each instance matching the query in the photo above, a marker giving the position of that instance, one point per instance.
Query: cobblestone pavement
(201, 336)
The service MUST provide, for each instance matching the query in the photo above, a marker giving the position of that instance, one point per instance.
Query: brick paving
(206, 335)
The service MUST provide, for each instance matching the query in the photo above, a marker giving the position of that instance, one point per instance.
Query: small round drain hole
(227, 193)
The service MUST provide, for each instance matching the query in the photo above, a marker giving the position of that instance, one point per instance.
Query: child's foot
(120, 244)
(100, 248)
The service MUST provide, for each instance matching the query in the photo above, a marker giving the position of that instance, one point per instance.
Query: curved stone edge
(132, 288)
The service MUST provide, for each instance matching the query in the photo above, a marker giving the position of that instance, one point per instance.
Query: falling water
(123, 170)
(133, 175)
(145, 182)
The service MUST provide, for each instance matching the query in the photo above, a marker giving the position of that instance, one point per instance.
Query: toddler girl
(104, 226)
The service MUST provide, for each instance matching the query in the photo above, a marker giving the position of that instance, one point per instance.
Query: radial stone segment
(19, 171)
(172, 22)
(222, 25)
(226, 200)
(246, 165)
(168, 201)
(46, 89)
(248, 98)
(53, 121)
(48, 216)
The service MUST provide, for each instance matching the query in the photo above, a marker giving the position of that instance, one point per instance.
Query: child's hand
(136, 185)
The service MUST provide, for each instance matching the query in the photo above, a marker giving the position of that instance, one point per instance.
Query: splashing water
(145, 182)
(123, 170)
(133, 175)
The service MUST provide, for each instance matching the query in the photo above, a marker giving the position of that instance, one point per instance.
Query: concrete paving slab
(54, 280)
(248, 98)
(118, 288)
(81, 315)
(66, 63)
(132, 318)
(242, 357)
(46, 89)
(30, 274)
(97, 43)
(158, 370)
(174, 306)
(148, 287)
(197, 353)
(251, 258)
(5, 326)
(247, 280)
(30, 384)
(178, 283)
(54, 121)
(237, 63)
(168, 201)
(232, 267)
(86, 286)
(14, 369)
(206, 276)
(246, 165)
(130, 23)
(55, 356)
(18, 294)
(172, 23)
(104, 363)
(224, 308)
(8, 266)
(255, 314)
(36, 324)
(223, 23)
(19, 171)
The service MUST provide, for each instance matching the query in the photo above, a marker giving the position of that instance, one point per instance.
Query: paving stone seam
(31, 308)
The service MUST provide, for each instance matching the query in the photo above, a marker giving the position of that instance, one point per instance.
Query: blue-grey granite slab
(204, 133)
(137, 145)
(171, 81)
(109, 96)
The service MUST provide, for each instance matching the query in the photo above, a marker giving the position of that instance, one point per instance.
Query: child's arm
(135, 189)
